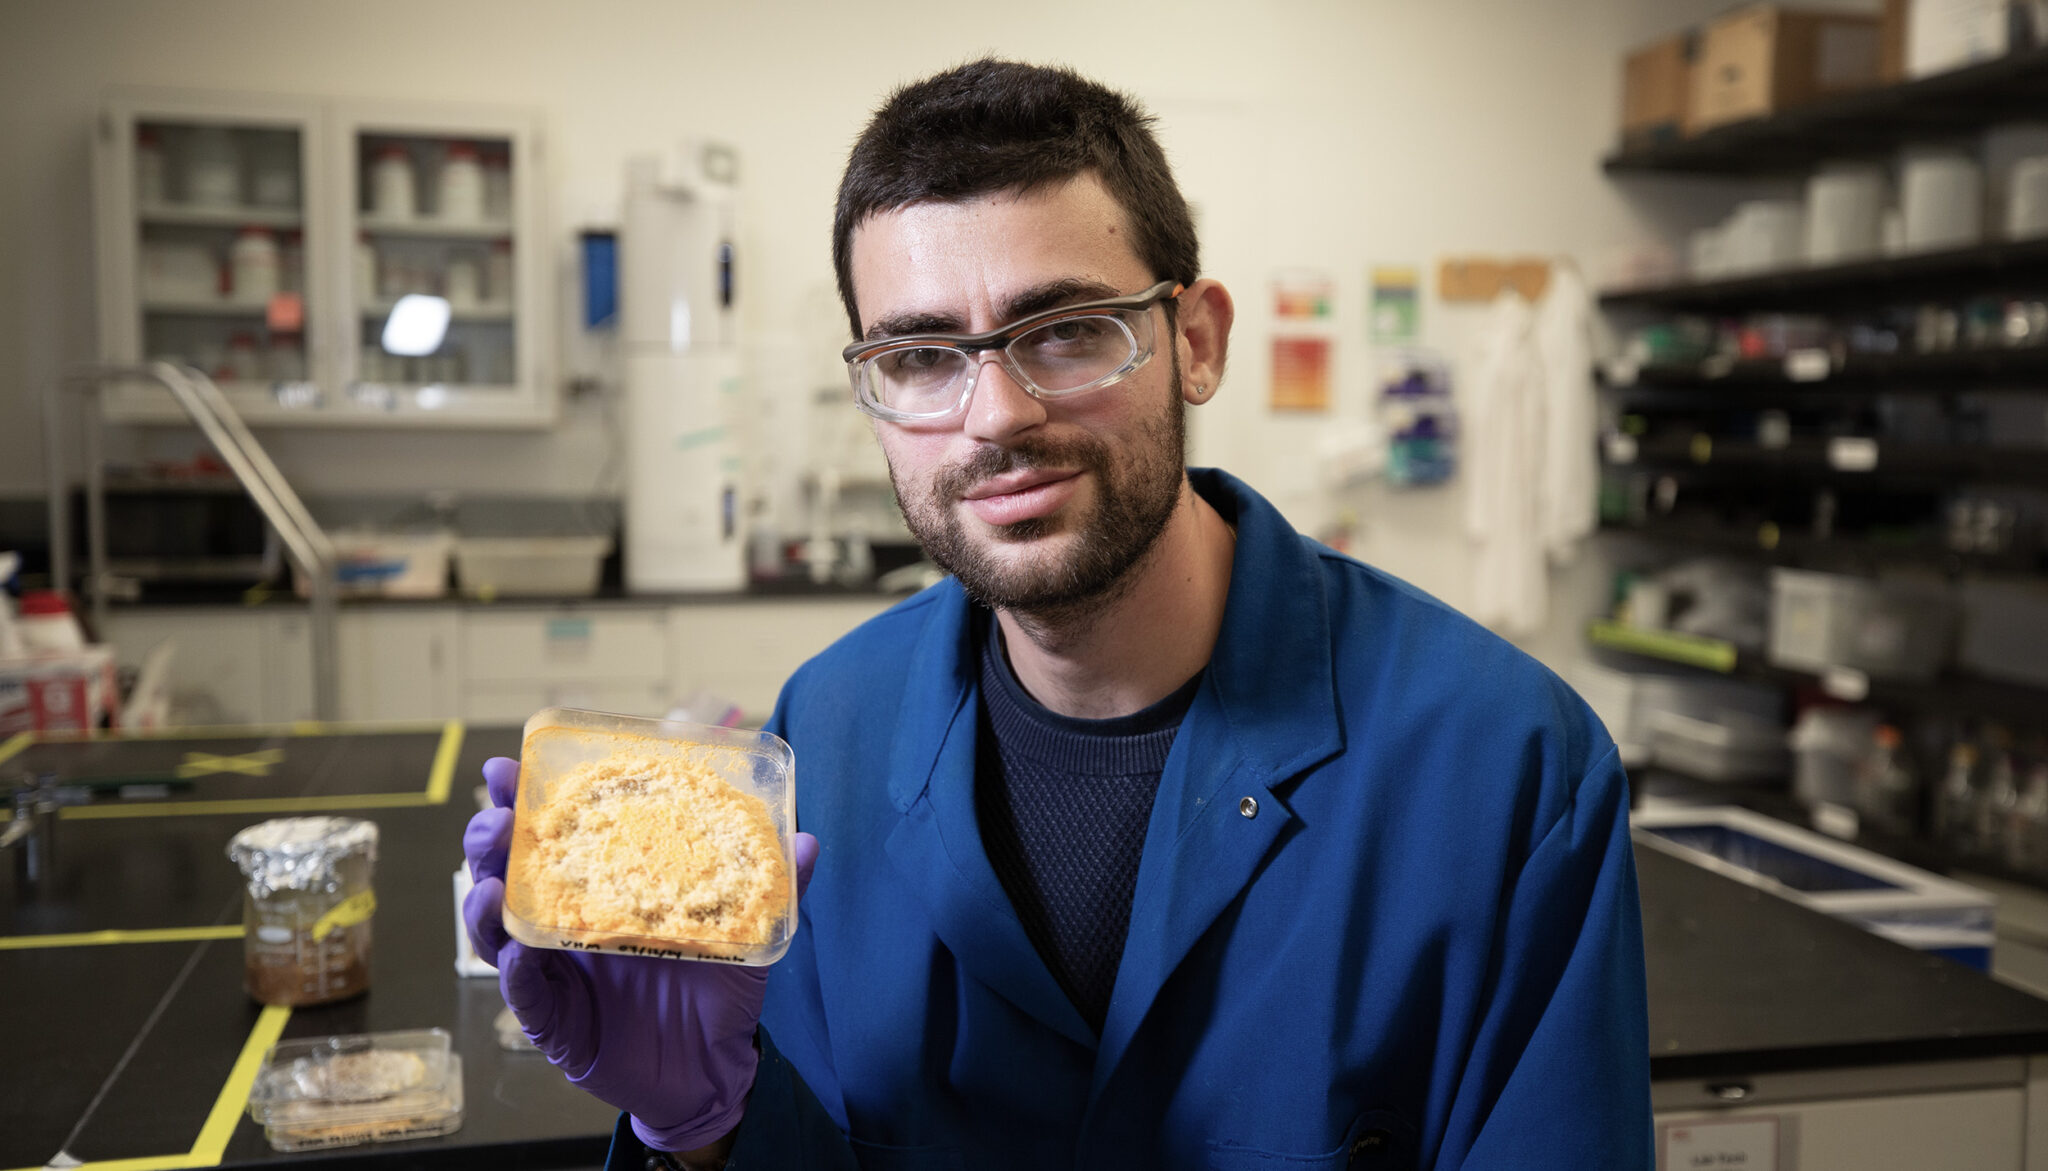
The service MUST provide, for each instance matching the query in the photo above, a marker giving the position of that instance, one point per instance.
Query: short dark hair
(994, 125)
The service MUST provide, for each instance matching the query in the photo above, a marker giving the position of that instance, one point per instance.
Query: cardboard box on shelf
(1656, 87)
(1764, 59)
(1891, 41)
(1941, 35)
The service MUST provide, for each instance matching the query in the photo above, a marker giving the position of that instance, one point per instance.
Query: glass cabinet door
(326, 261)
(207, 253)
(443, 245)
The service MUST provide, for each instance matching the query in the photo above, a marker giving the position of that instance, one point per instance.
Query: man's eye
(917, 361)
(1078, 329)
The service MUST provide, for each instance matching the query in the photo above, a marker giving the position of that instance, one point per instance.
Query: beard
(1135, 497)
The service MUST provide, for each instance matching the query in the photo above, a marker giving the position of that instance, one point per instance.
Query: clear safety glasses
(928, 377)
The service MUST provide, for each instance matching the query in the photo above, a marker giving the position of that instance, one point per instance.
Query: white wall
(1326, 134)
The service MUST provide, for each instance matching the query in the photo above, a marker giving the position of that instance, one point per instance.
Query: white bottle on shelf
(274, 171)
(391, 184)
(253, 262)
(461, 191)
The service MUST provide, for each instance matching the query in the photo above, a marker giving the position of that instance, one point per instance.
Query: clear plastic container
(369, 1087)
(652, 837)
(306, 907)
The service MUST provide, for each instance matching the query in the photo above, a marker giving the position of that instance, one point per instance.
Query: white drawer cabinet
(560, 643)
(231, 665)
(743, 652)
(400, 663)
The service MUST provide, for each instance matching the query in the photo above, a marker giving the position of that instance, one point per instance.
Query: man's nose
(1001, 406)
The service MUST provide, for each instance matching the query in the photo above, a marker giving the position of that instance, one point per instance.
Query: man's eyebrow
(1036, 299)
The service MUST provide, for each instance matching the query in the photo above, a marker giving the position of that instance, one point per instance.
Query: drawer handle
(1730, 1091)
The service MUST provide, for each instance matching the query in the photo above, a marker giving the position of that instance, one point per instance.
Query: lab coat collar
(1265, 714)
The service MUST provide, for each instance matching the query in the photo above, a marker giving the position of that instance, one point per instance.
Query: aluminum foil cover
(300, 853)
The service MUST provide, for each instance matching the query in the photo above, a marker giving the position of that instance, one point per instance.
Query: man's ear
(1203, 313)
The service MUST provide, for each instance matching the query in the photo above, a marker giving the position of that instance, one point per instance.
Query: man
(1158, 835)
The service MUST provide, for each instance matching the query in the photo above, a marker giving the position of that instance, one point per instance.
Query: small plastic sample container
(372, 1087)
(653, 838)
(306, 907)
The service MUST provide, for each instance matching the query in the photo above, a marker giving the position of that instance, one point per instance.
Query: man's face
(1032, 504)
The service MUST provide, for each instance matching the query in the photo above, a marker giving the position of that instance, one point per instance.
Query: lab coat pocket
(876, 1157)
(1378, 1140)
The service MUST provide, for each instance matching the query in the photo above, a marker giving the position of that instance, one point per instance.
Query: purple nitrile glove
(669, 1042)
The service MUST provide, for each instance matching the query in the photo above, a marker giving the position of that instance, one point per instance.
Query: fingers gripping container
(652, 838)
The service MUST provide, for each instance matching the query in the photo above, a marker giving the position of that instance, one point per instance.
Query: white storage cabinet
(248, 235)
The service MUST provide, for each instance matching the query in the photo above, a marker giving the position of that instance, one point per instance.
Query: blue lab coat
(1386, 914)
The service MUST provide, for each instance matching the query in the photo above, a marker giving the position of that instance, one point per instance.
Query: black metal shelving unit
(1872, 121)
(1694, 429)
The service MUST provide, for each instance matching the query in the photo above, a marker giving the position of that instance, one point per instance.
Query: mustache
(991, 460)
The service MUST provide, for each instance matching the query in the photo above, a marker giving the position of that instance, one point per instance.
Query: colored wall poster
(1302, 296)
(1301, 374)
(1396, 310)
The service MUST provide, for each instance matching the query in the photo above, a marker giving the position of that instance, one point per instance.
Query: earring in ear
(1201, 391)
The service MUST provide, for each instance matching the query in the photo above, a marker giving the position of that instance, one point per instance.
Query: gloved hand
(669, 1042)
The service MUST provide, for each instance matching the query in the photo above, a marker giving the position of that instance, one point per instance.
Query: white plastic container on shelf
(1829, 746)
(1726, 748)
(531, 566)
(254, 265)
(392, 196)
(1893, 628)
(175, 270)
(460, 193)
(213, 168)
(463, 282)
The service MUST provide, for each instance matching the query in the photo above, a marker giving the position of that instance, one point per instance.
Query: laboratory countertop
(124, 1014)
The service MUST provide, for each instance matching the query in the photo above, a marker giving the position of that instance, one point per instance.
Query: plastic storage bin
(1894, 628)
(387, 565)
(652, 837)
(1731, 747)
(1902, 903)
(531, 566)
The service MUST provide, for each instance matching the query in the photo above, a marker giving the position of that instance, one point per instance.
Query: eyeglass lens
(1061, 355)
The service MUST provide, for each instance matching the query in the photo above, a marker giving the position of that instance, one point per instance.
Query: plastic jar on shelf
(306, 907)
(213, 168)
(253, 265)
(391, 184)
(460, 194)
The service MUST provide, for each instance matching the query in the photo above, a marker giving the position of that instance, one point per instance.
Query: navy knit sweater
(1063, 804)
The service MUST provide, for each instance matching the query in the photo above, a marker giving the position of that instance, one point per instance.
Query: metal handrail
(209, 409)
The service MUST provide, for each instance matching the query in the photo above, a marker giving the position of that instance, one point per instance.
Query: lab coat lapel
(937, 846)
(1266, 713)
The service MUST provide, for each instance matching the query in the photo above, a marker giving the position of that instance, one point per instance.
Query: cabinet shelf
(1875, 463)
(1965, 696)
(436, 229)
(2016, 266)
(1773, 545)
(193, 215)
(1870, 121)
(481, 313)
(196, 307)
(1932, 373)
